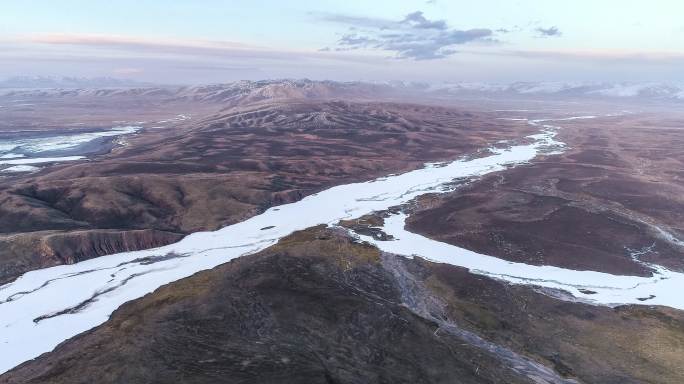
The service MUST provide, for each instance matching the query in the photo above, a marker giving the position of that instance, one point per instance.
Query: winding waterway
(45, 307)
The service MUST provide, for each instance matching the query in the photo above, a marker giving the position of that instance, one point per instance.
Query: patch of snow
(631, 90)
(11, 156)
(6, 146)
(551, 87)
(20, 168)
(41, 160)
(669, 237)
(180, 117)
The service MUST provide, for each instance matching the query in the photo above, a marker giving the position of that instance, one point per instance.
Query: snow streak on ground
(40, 160)
(45, 307)
(20, 168)
(663, 288)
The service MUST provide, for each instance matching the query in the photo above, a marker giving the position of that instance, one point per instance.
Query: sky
(190, 41)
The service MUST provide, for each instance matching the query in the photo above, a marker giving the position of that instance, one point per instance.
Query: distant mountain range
(651, 90)
(240, 91)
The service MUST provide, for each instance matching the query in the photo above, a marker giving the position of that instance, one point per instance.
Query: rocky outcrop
(75, 246)
(24, 252)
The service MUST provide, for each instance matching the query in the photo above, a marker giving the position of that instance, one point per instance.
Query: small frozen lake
(28, 151)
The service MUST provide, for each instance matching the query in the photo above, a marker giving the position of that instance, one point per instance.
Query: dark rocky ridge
(320, 308)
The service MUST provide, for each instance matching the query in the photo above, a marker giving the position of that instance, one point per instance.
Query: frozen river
(45, 307)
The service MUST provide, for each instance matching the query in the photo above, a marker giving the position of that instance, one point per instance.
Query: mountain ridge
(249, 90)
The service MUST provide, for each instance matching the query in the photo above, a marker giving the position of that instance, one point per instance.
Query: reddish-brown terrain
(225, 164)
(320, 306)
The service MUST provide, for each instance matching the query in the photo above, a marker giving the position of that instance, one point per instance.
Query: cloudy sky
(185, 41)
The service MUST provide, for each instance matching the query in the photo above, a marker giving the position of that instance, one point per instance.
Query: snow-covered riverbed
(45, 307)
(663, 288)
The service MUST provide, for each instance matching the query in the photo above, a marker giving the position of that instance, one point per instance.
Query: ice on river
(45, 307)
(663, 288)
